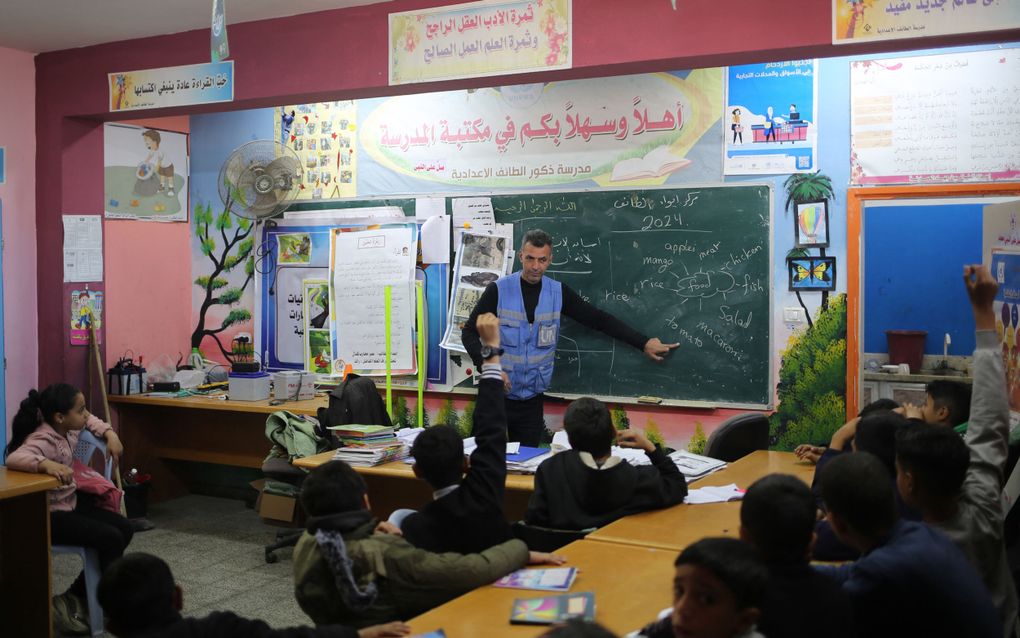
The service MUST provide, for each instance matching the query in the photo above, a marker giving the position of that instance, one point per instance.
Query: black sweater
(470, 519)
(573, 306)
(570, 495)
(224, 624)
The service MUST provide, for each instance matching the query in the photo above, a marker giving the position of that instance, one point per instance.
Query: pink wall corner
(147, 281)
(20, 307)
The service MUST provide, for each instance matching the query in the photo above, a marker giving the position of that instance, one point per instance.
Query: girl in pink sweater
(44, 434)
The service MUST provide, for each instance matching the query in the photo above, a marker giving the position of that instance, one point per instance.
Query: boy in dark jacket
(141, 600)
(586, 487)
(777, 517)
(466, 514)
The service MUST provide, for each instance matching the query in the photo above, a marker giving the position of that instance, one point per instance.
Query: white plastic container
(248, 386)
(291, 385)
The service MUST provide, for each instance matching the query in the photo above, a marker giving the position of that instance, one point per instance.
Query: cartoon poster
(322, 135)
(294, 248)
(86, 310)
(1005, 268)
(146, 173)
(770, 118)
(318, 347)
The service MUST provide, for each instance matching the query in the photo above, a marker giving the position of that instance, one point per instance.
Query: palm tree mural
(802, 188)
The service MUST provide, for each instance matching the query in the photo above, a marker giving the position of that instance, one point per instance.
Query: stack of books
(368, 445)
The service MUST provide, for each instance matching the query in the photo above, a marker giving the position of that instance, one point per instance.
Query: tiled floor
(214, 547)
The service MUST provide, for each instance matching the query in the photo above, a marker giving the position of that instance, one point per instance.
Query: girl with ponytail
(44, 434)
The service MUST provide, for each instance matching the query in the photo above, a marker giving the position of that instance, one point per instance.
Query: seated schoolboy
(586, 487)
(910, 580)
(346, 570)
(842, 438)
(140, 598)
(777, 517)
(956, 489)
(946, 403)
(466, 514)
(717, 592)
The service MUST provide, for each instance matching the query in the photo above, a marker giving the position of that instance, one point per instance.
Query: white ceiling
(51, 25)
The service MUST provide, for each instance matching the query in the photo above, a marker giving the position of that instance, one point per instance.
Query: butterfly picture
(812, 273)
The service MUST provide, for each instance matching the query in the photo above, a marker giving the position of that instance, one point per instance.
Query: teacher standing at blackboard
(529, 306)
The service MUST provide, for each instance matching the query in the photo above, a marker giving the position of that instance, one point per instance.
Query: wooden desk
(203, 429)
(394, 485)
(631, 584)
(677, 527)
(25, 566)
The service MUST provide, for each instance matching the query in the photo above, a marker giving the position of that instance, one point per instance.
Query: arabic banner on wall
(479, 39)
(322, 135)
(867, 20)
(172, 86)
(935, 118)
(770, 118)
(622, 131)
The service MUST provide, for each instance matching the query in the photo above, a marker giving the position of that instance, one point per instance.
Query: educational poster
(481, 260)
(318, 346)
(479, 39)
(770, 118)
(1005, 268)
(83, 248)
(171, 86)
(322, 135)
(86, 310)
(650, 129)
(363, 265)
(294, 249)
(145, 173)
(868, 20)
(935, 118)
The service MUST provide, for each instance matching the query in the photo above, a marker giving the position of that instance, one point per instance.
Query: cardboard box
(274, 506)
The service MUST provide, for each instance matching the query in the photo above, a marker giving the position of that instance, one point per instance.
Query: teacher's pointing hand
(657, 350)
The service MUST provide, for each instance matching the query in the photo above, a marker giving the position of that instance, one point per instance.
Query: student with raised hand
(777, 517)
(466, 513)
(957, 485)
(586, 487)
(44, 434)
(141, 600)
(910, 580)
(717, 593)
(350, 569)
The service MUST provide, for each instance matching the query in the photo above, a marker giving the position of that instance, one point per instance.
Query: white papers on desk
(714, 494)
(692, 466)
(83, 248)
(512, 447)
(369, 456)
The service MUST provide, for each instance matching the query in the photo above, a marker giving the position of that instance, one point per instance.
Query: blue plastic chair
(88, 445)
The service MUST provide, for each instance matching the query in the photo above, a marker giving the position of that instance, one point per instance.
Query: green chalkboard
(687, 265)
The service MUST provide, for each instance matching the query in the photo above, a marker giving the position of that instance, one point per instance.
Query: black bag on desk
(355, 401)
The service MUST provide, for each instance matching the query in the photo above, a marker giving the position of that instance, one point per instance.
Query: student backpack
(355, 401)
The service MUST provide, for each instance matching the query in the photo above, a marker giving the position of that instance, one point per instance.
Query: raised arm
(988, 429)
(487, 473)
(585, 313)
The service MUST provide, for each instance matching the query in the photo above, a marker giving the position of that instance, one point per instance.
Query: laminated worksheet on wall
(362, 265)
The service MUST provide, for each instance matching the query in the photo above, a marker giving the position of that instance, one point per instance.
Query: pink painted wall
(610, 38)
(17, 126)
(148, 280)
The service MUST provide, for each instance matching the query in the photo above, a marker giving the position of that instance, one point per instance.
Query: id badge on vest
(546, 335)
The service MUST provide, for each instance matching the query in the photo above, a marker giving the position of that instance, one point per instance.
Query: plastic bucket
(906, 346)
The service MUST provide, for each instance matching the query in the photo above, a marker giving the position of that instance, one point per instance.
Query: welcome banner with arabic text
(621, 131)
(868, 20)
(172, 86)
(479, 39)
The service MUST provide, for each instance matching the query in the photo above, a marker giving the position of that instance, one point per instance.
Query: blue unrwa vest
(530, 349)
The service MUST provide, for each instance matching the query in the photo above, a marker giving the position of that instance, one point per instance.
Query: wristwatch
(489, 352)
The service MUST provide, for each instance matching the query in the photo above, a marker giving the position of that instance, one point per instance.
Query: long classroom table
(632, 584)
(25, 567)
(156, 430)
(677, 527)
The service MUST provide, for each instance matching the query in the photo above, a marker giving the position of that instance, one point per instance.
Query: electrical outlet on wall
(793, 315)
